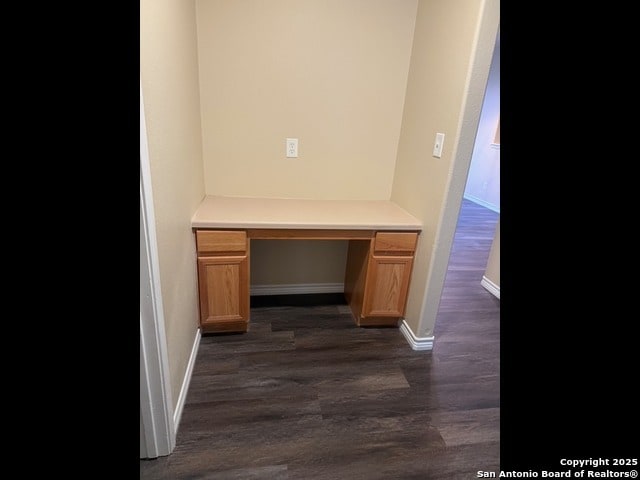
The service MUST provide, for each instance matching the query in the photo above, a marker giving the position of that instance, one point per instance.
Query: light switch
(437, 146)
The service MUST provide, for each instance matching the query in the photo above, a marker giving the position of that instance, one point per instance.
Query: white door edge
(156, 404)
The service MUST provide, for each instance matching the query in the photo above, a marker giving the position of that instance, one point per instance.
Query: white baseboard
(417, 343)
(480, 202)
(182, 397)
(297, 288)
(490, 286)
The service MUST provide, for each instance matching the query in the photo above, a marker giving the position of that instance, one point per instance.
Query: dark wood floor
(306, 394)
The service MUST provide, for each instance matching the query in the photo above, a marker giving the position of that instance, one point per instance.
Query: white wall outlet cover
(292, 148)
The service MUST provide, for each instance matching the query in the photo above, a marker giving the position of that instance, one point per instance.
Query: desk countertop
(247, 212)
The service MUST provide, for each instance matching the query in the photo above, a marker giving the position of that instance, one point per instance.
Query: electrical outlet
(292, 148)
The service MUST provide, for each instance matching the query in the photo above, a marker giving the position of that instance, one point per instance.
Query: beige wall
(331, 73)
(492, 272)
(445, 42)
(169, 76)
(282, 262)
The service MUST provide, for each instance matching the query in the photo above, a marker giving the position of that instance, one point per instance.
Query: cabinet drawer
(395, 242)
(221, 241)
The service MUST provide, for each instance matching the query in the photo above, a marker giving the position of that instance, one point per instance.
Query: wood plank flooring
(306, 394)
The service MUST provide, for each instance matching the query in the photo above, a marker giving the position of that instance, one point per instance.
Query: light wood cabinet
(378, 276)
(387, 286)
(223, 280)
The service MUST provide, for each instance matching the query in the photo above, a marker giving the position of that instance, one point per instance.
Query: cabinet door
(387, 286)
(224, 293)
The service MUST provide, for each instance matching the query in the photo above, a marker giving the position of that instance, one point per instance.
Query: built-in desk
(382, 241)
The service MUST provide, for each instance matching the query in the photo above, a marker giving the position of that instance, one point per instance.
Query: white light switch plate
(437, 146)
